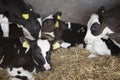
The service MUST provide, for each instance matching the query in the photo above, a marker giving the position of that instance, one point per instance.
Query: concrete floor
(73, 10)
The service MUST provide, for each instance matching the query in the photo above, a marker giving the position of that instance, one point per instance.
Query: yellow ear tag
(59, 17)
(25, 16)
(57, 24)
(56, 45)
(26, 44)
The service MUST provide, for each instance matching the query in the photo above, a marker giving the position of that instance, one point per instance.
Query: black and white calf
(101, 23)
(21, 57)
(18, 12)
(75, 34)
(104, 46)
(71, 33)
(53, 26)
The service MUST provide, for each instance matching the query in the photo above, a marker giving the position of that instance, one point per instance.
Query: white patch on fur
(5, 29)
(14, 73)
(69, 25)
(1, 16)
(3, 19)
(39, 36)
(65, 45)
(18, 51)
(98, 47)
(101, 48)
(26, 33)
(107, 30)
(83, 30)
(45, 47)
(89, 38)
(89, 47)
(50, 33)
(35, 61)
(48, 17)
(27, 49)
(2, 59)
(13, 78)
(93, 19)
(4, 26)
(40, 21)
(47, 66)
(81, 45)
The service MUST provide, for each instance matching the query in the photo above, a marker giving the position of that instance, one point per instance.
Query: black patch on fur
(21, 77)
(96, 29)
(115, 50)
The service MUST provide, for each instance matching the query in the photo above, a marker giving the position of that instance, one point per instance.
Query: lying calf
(22, 14)
(75, 34)
(72, 33)
(22, 57)
(53, 26)
(103, 22)
(103, 46)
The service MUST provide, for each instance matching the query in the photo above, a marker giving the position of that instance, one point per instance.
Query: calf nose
(47, 66)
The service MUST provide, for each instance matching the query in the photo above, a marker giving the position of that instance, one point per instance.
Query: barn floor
(73, 64)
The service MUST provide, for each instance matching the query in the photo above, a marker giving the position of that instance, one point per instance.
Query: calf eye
(96, 29)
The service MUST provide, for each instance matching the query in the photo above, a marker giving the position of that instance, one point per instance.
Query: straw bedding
(73, 64)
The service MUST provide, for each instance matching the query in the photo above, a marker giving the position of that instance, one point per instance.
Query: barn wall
(73, 10)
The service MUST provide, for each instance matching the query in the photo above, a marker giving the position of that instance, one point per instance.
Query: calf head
(96, 26)
(31, 25)
(41, 52)
(30, 56)
(53, 24)
(22, 14)
(49, 22)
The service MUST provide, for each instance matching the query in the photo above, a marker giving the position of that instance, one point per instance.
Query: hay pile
(4, 75)
(73, 64)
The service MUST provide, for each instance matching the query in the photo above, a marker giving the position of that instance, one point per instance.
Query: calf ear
(57, 15)
(30, 7)
(57, 18)
(101, 12)
(25, 42)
